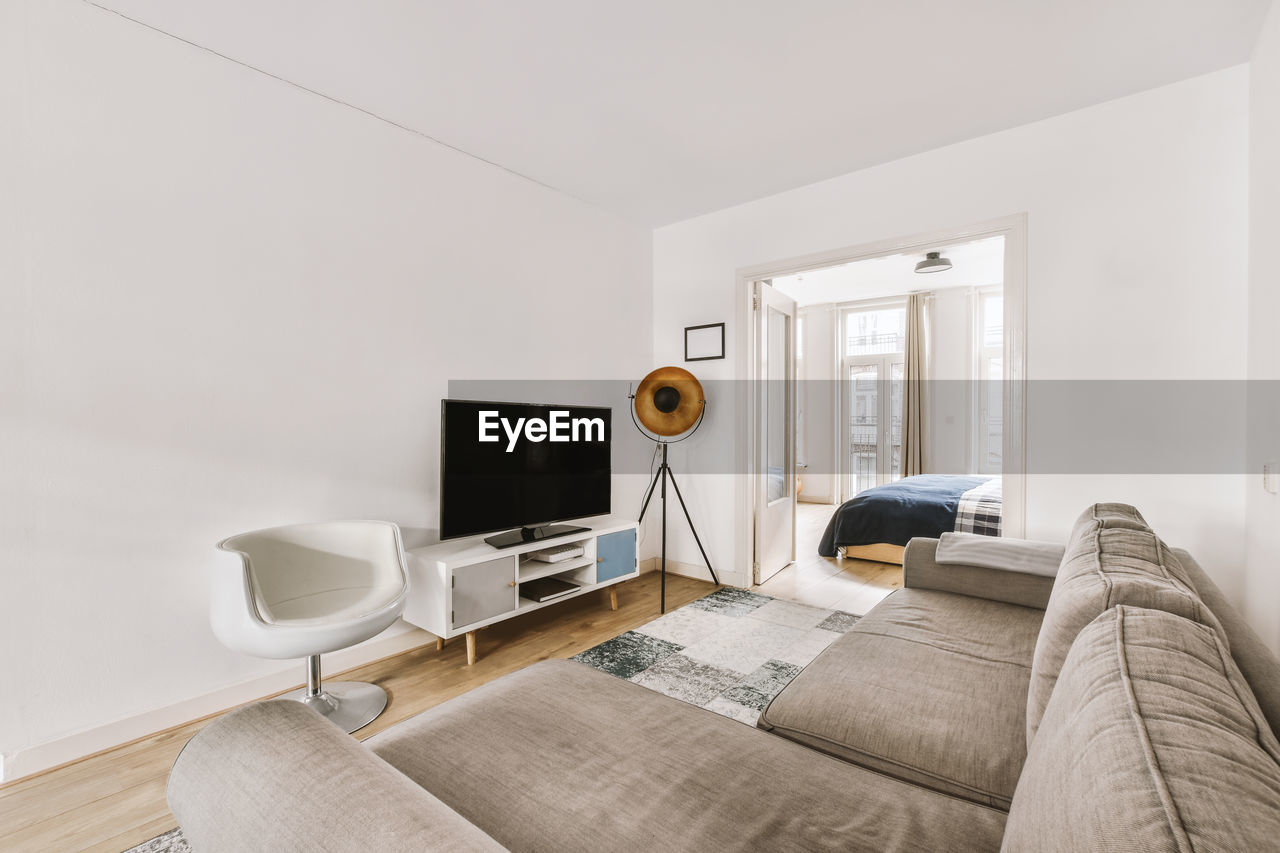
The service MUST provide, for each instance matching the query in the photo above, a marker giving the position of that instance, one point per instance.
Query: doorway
(870, 412)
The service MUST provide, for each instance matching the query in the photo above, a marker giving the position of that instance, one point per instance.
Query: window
(778, 432)
(875, 342)
(876, 331)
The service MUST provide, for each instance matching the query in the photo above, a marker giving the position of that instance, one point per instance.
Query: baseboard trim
(691, 570)
(82, 744)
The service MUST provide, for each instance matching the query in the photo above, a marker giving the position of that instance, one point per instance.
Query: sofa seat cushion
(929, 687)
(1151, 741)
(1112, 558)
(562, 757)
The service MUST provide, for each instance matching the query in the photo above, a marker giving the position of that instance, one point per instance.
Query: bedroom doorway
(955, 366)
(871, 423)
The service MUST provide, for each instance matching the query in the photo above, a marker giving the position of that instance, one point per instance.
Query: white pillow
(1010, 555)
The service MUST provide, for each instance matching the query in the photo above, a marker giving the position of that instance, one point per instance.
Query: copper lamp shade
(669, 401)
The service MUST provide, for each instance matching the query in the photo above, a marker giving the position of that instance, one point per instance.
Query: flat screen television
(522, 465)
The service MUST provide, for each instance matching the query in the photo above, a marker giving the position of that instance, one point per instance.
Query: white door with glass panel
(988, 449)
(775, 451)
(872, 369)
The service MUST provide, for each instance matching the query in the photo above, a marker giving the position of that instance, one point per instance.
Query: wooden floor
(113, 800)
(854, 586)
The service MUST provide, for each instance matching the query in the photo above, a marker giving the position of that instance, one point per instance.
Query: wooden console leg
(613, 598)
(471, 647)
(439, 644)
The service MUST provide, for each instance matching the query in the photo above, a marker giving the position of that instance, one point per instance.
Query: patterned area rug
(730, 652)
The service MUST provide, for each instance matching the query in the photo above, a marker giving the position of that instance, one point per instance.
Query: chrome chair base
(351, 705)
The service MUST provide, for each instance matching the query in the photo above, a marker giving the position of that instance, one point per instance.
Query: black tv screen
(508, 465)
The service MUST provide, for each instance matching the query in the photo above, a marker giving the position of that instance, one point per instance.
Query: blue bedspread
(924, 505)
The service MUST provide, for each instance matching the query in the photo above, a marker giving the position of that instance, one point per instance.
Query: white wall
(951, 368)
(235, 304)
(1263, 535)
(1137, 212)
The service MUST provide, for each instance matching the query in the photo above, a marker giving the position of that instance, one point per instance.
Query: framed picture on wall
(704, 343)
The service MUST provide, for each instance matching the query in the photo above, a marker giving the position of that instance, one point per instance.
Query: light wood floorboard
(114, 800)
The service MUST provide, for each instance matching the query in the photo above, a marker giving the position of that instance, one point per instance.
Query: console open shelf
(460, 586)
(534, 569)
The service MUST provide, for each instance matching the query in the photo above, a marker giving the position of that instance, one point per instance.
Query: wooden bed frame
(881, 552)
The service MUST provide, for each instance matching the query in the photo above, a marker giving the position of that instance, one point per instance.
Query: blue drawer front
(616, 555)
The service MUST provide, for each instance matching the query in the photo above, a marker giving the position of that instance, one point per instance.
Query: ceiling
(666, 109)
(977, 263)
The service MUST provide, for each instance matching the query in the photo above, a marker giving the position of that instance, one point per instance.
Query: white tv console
(460, 586)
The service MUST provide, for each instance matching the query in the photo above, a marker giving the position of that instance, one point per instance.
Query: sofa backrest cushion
(1111, 514)
(1111, 558)
(1151, 741)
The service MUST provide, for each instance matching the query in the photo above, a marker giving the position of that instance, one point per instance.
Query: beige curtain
(913, 386)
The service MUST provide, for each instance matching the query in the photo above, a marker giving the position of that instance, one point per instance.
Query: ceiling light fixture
(934, 262)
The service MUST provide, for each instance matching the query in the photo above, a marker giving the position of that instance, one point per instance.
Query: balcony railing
(864, 448)
(880, 344)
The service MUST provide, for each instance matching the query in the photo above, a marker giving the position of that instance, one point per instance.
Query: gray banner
(1072, 426)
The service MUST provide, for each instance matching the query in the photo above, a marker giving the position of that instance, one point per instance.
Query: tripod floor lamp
(667, 407)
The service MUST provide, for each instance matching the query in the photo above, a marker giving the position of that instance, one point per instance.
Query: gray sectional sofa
(1119, 705)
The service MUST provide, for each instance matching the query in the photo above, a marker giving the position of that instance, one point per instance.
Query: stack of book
(545, 589)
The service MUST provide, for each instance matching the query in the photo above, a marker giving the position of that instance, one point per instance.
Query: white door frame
(1014, 230)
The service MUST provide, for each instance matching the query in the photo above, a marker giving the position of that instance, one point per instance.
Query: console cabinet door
(483, 590)
(615, 555)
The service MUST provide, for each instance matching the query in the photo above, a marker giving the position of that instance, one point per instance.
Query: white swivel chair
(306, 589)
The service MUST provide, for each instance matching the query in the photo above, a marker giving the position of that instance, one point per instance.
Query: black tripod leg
(649, 494)
(663, 471)
(693, 529)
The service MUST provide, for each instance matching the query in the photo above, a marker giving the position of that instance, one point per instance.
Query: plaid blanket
(979, 509)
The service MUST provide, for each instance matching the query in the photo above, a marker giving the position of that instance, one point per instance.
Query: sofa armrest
(921, 570)
(278, 776)
(1257, 663)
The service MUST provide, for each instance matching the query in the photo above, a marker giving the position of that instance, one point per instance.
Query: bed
(878, 523)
